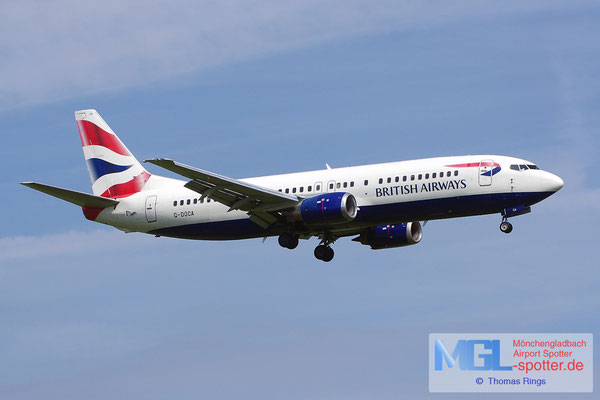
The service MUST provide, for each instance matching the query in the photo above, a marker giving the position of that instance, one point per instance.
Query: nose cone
(551, 182)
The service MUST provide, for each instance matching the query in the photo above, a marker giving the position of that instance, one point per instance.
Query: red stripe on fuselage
(476, 164)
(128, 188)
(91, 134)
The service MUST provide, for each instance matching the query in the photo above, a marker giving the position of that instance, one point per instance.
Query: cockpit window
(523, 167)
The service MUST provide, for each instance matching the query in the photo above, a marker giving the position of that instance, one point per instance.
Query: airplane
(380, 204)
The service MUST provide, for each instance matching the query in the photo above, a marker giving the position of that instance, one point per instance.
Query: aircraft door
(151, 209)
(485, 172)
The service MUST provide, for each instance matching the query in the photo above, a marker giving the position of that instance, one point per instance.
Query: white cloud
(60, 49)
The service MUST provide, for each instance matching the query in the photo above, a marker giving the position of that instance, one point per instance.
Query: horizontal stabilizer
(72, 196)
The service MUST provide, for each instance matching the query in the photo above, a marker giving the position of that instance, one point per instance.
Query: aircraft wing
(262, 204)
(72, 196)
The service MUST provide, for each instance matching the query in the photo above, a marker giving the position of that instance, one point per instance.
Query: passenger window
(412, 177)
(188, 202)
(195, 201)
(352, 184)
(280, 190)
(397, 179)
(175, 203)
(318, 188)
(389, 180)
(338, 185)
(293, 190)
(345, 184)
(330, 186)
(448, 174)
(301, 189)
(420, 176)
(201, 201)
(287, 190)
(433, 175)
(426, 176)
(441, 174)
(366, 182)
(180, 202)
(456, 173)
(404, 178)
(309, 189)
(380, 180)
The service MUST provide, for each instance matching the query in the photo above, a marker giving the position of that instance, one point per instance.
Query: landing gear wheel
(320, 251)
(506, 227)
(328, 254)
(288, 241)
(324, 253)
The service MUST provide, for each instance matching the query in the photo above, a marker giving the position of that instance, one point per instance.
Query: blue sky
(247, 89)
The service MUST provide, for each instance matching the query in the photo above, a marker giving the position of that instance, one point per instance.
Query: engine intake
(388, 236)
(328, 208)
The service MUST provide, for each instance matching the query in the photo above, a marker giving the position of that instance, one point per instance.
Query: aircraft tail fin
(114, 171)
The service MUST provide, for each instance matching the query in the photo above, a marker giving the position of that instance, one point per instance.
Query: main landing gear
(506, 226)
(288, 241)
(324, 253)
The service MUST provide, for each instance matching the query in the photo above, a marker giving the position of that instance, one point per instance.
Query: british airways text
(423, 187)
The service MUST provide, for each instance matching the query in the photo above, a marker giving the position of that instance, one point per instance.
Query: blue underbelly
(422, 210)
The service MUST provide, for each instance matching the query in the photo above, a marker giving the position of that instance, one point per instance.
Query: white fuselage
(395, 192)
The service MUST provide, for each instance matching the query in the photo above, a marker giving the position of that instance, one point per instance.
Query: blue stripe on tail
(98, 168)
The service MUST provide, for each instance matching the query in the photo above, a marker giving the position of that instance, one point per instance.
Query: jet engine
(388, 236)
(327, 208)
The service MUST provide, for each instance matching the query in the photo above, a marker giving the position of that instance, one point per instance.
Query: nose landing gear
(506, 226)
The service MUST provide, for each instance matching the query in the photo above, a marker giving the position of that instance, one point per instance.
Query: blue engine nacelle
(328, 208)
(387, 236)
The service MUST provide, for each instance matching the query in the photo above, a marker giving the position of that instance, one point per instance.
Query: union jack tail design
(114, 171)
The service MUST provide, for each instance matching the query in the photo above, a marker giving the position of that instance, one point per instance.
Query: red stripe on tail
(128, 188)
(91, 134)
(91, 213)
